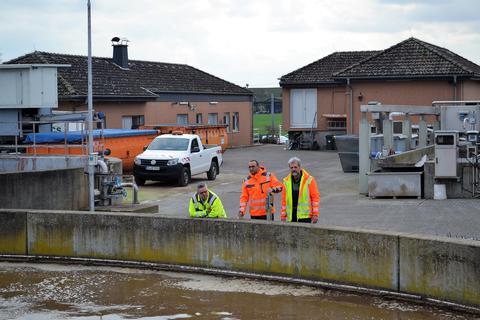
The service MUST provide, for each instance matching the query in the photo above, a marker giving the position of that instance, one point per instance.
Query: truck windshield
(176, 144)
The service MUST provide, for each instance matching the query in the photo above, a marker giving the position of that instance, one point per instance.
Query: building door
(303, 106)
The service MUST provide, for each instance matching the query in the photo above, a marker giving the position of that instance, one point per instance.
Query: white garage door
(303, 105)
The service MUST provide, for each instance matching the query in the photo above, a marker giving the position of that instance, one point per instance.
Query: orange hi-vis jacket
(308, 197)
(255, 190)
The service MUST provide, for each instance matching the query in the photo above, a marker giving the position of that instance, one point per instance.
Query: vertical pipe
(350, 107)
(454, 88)
(90, 115)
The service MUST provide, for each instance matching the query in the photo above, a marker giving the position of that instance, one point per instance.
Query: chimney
(120, 52)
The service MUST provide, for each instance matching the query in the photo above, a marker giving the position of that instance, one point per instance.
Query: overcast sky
(241, 41)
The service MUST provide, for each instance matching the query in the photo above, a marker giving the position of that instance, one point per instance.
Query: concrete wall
(64, 189)
(437, 268)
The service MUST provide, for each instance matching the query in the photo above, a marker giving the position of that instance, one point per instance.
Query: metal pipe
(455, 88)
(135, 190)
(102, 165)
(456, 102)
(392, 114)
(350, 106)
(91, 178)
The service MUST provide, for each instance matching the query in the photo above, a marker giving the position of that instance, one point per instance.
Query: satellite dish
(115, 39)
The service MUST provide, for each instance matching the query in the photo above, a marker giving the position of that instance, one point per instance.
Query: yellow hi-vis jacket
(211, 208)
(308, 197)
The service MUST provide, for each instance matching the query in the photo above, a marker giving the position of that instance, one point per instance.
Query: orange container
(209, 133)
(123, 144)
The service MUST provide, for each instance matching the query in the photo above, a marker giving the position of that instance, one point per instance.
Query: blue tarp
(76, 136)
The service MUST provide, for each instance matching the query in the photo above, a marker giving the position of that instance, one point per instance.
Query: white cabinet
(446, 154)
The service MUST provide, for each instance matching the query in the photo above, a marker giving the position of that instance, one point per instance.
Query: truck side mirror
(145, 148)
(195, 149)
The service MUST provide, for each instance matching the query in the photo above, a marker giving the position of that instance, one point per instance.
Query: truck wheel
(212, 173)
(184, 177)
(139, 181)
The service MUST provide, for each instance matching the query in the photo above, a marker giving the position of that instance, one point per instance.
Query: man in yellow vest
(206, 204)
(300, 197)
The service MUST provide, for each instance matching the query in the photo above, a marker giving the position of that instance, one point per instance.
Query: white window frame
(236, 122)
(303, 106)
(181, 117)
(213, 116)
(226, 120)
(199, 116)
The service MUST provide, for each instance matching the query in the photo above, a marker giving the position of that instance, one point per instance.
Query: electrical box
(461, 118)
(446, 154)
(93, 159)
(28, 86)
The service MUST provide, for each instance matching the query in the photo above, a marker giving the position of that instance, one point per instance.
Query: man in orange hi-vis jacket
(256, 189)
(300, 196)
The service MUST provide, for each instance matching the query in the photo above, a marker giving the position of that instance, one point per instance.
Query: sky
(251, 42)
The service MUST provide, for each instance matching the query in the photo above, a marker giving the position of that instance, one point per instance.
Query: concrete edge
(419, 236)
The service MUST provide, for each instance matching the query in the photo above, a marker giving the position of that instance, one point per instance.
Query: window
(137, 121)
(132, 122)
(194, 145)
(303, 108)
(226, 120)
(213, 118)
(336, 124)
(397, 127)
(182, 118)
(198, 118)
(235, 122)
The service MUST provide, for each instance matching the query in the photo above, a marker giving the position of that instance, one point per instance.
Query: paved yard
(341, 205)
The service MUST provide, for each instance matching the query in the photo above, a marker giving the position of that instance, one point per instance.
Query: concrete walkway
(341, 205)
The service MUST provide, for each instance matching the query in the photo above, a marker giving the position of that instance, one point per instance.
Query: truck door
(197, 160)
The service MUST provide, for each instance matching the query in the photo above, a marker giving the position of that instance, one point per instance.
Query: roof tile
(142, 79)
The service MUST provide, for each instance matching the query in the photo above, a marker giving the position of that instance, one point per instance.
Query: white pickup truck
(177, 157)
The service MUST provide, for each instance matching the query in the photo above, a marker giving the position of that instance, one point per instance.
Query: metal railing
(28, 129)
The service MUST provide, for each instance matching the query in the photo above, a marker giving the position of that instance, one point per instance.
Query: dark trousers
(307, 220)
(262, 217)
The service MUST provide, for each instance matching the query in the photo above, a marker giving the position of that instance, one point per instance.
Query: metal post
(90, 115)
(364, 154)
(272, 110)
(269, 207)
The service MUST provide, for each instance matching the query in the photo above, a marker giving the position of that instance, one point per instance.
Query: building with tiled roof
(325, 96)
(132, 93)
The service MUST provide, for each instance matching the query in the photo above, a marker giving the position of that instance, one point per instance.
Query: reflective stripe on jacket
(211, 208)
(255, 190)
(308, 197)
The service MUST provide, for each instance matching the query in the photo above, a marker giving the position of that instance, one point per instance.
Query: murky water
(46, 291)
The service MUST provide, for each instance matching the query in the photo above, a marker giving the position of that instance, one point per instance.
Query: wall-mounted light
(213, 102)
(174, 103)
(183, 103)
(360, 96)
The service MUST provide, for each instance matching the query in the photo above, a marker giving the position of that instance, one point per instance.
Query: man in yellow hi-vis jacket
(300, 197)
(206, 204)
